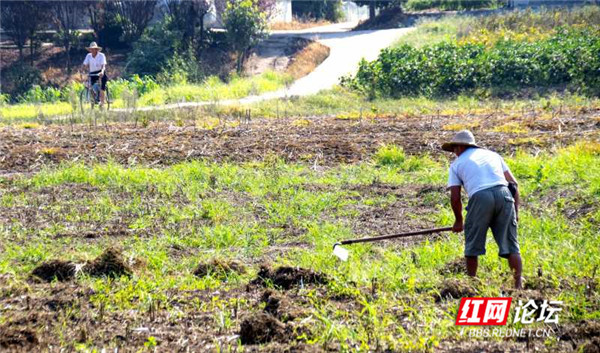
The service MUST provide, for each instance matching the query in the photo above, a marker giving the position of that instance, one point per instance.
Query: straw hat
(463, 138)
(93, 45)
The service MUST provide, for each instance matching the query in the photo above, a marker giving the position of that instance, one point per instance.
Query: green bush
(141, 85)
(4, 99)
(390, 155)
(245, 26)
(111, 32)
(41, 95)
(156, 46)
(318, 10)
(181, 69)
(570, 57)
(20, 78)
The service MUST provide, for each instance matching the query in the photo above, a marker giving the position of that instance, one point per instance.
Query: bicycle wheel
(107, 98)
(86, 103)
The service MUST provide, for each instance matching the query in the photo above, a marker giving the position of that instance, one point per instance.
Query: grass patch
(307, 60)
(346, 104)
(26, 110)
(429, 32)
(297, 24)
(212, 90)
(195, 212)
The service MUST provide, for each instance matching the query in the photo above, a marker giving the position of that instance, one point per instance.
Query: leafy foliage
(19, 78)
(570, 57)
(154, 48)
(21, 19)
(188, 19)
(246, 25)
(543, 19)
(318, 10)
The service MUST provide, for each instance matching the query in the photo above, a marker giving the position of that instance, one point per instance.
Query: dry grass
(305, 61)
(297, 24)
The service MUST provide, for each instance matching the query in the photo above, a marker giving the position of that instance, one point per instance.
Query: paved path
(347, 48)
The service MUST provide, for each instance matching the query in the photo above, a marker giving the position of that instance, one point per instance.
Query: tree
(188, 18)
(120, 23)
(267, 7)
(246, 25)
(22, 19)
(155, 47)
(138, 15)
(66, 16)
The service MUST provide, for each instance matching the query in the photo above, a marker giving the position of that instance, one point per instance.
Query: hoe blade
(340, 252)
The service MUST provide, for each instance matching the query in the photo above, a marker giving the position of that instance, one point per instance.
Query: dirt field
(321, 141)
(276, 305)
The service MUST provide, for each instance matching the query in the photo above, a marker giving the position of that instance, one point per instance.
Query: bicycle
(90, 95)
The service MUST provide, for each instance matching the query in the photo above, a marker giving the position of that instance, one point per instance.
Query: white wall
(282, 12)
(354, 12)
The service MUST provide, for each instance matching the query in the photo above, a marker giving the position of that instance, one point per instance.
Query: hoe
(343, 253)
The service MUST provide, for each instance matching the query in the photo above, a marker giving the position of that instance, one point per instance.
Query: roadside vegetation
(171, 60)
(451, 5)
(141, 92)
(297, 23)
(492, 55)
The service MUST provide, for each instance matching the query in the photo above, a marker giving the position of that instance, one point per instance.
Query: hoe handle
(392, 236)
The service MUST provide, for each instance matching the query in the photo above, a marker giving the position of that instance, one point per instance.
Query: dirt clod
(55, 269)
(592, 346)
(288, 277)
(9, 338)
(109, 264)
(582, 330)
(585, 334)
(454, 267)
(539, 283)
(280, 306)
(219, 268)
(261, 328)
(452, 288)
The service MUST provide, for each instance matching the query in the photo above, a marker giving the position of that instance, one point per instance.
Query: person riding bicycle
(96, 63)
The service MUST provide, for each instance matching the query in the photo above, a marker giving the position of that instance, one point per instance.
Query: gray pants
(491, 208)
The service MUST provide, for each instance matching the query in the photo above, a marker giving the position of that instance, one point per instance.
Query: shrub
(4, 99)
(20, 78)
(41, 95)
(570, 57)
(318, 10)
(246, 25)
(391, 155)
(141, 85)
(181, 69)
(154, 48)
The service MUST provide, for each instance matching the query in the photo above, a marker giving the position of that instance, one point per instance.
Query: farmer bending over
(96, 63)
(485, 177)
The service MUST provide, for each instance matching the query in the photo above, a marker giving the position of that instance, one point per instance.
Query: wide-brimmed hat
(93, 45)
(463, 138)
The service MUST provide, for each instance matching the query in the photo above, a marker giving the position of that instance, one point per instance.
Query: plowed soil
(274, 309)
(321, 141)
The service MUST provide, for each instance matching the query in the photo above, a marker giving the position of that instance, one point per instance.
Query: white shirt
(477, 169)
(95, 63)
